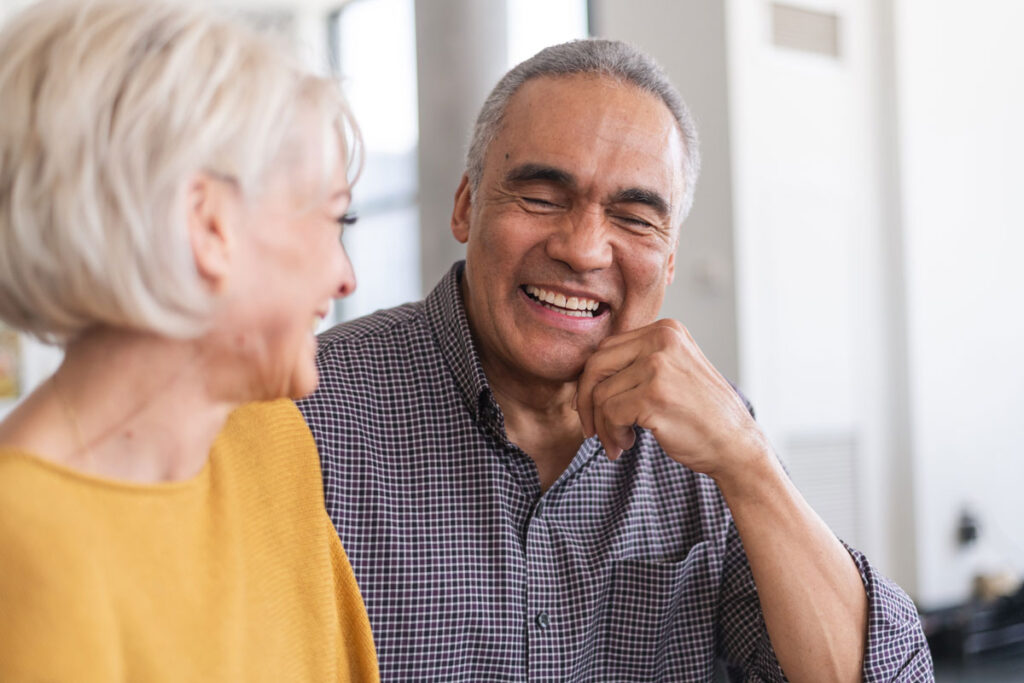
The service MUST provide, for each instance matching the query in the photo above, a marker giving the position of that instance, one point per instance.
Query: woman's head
(109, 112)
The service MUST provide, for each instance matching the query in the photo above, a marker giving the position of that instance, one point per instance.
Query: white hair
(610, 58)
(107, 109)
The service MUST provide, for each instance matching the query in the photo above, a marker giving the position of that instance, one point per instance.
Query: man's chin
(559, 368)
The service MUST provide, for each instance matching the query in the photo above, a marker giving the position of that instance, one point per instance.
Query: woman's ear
(210, 205)
(461, 211)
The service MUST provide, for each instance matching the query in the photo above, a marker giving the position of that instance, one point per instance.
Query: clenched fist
(658, 378)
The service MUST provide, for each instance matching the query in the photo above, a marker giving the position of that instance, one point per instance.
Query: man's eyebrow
(639, 195)
(528, 172)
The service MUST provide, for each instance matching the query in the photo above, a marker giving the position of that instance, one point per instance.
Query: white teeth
(576, 307)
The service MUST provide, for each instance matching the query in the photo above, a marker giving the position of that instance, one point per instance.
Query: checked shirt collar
(446, 316)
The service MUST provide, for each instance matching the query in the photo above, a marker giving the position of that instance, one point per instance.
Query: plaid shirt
(629, 570)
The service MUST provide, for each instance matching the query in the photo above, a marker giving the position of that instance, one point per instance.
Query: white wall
(809, 223)
(961, 103)
(8, 7)
(878, 248)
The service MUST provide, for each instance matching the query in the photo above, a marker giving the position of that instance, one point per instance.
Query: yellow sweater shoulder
(235, 574)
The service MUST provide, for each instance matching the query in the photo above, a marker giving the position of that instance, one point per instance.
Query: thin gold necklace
(72, 417)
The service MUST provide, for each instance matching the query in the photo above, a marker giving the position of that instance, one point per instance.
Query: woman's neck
(126, 406)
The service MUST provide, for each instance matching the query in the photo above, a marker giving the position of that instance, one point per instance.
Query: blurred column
(461, 48)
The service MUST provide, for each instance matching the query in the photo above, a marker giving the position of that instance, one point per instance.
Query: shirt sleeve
(896, 647)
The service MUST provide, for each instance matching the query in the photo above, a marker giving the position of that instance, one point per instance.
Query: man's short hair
(109, 108)
(609, 58)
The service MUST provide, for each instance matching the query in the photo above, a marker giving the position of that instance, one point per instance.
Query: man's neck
(539, 419)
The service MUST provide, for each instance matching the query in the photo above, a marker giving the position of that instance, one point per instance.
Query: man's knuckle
(669, 336)
(655, 364)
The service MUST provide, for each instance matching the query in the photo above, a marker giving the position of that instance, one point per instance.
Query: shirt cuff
(896, 647)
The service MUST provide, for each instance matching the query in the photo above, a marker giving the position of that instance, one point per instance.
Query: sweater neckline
(71, 475)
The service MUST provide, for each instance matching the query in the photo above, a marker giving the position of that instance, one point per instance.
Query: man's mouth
(572, 306)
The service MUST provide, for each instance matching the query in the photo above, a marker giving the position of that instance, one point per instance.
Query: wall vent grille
(823, 467)
(797, 28)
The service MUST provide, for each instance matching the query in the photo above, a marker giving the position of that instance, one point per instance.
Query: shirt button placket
(541, 591)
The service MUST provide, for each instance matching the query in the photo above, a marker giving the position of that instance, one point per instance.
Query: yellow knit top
(234, 575)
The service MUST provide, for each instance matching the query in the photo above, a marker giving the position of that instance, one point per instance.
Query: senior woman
(172, 189)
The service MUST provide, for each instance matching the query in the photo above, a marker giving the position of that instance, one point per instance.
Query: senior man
(534, 478)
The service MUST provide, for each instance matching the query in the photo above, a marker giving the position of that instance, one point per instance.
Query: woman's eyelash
(348, 219)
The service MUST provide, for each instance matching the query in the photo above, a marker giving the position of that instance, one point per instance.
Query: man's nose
(582, 240)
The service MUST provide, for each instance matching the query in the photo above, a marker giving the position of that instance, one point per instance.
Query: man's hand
(656, 377)
(813, 601)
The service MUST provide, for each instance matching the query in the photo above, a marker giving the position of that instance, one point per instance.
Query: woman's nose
(347, 279)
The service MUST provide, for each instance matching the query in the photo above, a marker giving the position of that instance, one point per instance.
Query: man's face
(572, 232)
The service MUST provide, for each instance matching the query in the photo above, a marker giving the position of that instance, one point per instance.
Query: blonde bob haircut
(108, 109)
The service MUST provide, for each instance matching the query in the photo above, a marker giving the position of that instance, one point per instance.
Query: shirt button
(538, 510)
(543, 620)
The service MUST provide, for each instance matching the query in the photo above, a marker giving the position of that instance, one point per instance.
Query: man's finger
(640, 332)
(615, 429)
(599, 367)
(620, 412)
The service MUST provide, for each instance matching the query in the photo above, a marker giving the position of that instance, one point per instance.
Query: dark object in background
(967, 528)
(976, 628)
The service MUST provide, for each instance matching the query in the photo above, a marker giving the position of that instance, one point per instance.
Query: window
(374, 47)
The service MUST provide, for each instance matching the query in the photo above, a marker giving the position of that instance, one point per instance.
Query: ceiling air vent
(806, 30)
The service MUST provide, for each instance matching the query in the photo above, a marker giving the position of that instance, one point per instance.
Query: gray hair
(108, 108)
(593, 56)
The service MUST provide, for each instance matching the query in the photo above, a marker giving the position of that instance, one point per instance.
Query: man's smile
(572, 306)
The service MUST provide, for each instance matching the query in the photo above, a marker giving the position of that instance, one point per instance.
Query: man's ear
(462, 210)
(671, 274)
(208, 207)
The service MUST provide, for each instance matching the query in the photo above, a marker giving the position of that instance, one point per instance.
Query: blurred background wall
(853, 260)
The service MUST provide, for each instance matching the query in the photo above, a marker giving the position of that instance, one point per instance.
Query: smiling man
(534, 477)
